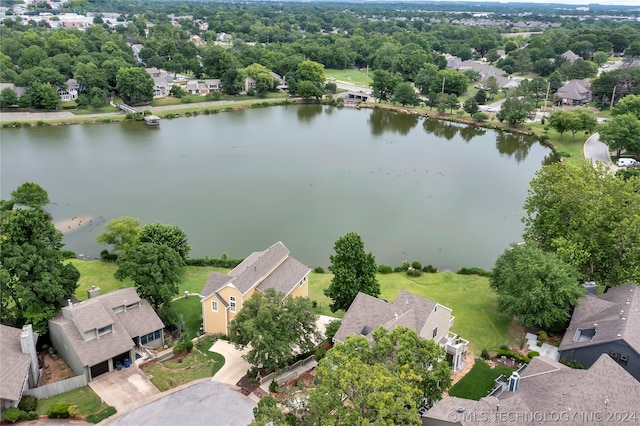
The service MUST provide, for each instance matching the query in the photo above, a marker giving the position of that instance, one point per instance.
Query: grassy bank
(353, 76)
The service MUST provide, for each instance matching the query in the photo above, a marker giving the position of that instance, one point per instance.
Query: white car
(627, 162)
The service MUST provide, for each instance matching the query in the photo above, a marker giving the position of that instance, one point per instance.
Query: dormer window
(132, 305)
(105, 330)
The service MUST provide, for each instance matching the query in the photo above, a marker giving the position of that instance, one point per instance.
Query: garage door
(99, 369)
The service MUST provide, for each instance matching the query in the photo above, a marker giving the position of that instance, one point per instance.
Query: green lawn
(191, 311)
(170, 100)
(86, 400)
(574, 147)
(199, 364)
(478, 382)
(474, 305)
(354, 76)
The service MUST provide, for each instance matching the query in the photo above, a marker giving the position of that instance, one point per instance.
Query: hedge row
(221, 262)
(515, 355)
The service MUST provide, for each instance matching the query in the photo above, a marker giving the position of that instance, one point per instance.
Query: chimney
(514, 382)
(590, 287)
(28, 346)
(93, 292)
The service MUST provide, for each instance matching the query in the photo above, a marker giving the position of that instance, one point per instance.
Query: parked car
(627, 162)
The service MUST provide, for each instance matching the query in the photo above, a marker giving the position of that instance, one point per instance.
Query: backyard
(478, 382)
(198, 364)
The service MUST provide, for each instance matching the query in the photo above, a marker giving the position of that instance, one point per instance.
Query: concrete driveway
(235, 367)
(125, 389)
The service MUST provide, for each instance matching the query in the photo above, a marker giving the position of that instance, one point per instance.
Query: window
(232, 303)
(104, 330)
(435, 333)
(214, 306)
(133, 305)
(149, 338)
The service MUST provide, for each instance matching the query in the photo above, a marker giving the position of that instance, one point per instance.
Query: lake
(236, 182)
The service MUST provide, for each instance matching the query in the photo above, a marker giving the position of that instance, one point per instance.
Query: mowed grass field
(473, 303)
(350, 76)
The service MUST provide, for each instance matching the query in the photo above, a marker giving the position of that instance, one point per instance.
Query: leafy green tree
(122, 233)
(384, 84)
(274, 326)
(135, 85)
(8, 97)
(588, 217)
(535, 286)
(353, 270)
(43, 95)
(311, 71)
(480, 97)
(600, 58)
(168, 235)
(405, 94)
(582, 120)
(622, 133)
(154, 270)
(492, 87)
(260, 74)
(471, 106)
(560, 121)
(33, 280)
(30, 194)
(308, 89)
(516, 111)
(630, 104)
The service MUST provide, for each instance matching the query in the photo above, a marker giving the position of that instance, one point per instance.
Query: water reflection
(514, 145)
(306, 113)
(469, 132)
(382, 121)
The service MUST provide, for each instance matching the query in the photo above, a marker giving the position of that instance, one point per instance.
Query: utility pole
(546, 98)
(613, 96)
(443, 79)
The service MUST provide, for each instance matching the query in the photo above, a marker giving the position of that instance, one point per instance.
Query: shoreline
(74, 223)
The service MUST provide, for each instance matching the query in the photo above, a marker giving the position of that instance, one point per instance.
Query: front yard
(86, 400)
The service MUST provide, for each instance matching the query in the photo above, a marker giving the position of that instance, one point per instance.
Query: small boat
(152, 120)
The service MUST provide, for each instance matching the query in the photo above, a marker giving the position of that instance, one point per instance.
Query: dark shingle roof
(272, 267)
(616, 313)
(14, 364)
(408, 310)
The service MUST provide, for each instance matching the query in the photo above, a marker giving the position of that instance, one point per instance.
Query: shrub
(27, 124)
(28, 415)
(146, 112)
(474, 271)
(11, 414)
(73, 411)
(273, 386)
(573, 364)
(128, 116)
(100, 416)
(105, 256)
(416, 265)
(429, 269)
(314, 303)
(384, 269)
(543, 336)
(320, 353)
(563, 154)
(59, 411)
(222, 262)
(28, 403)
(332, 328)
(318, 270)
(515, 355)
(532, 354)
(485, 354)
(184, 345)
(480, 116)
(403, 267)
(412, 272)
(66, 254)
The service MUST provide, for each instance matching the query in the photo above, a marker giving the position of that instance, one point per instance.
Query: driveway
(235, 367)
(202, 403)
(125, 389)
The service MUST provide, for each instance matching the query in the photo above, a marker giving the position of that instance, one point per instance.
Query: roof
(272, 267)
(99, 312)
(570, 56)
(368, 313)
(14, 368)
(615, 314)
(575, 89)
(547, 386)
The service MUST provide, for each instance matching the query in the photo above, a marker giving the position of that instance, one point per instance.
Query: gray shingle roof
(366, 311)
(605, 311)
(272, 267)
(91, 314)
(547, 386)
(575, 89)
(14, 364)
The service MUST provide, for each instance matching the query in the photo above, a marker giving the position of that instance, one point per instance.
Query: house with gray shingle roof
(19, 368)
(429, 319)
(574, 92)
(570, 56)
(223, 295)
(548, 392)
(608, 324)
(97, 335)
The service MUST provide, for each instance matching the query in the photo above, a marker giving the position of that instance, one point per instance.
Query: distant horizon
(576, 3)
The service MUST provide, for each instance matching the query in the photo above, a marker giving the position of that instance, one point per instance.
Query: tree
(168, 235)
(535, 286)
(122, 233)
(43, 95)
(134, 84)
(492, 86)
(274, 326)
(30, 194)
(622, 133)
(311, 71)
(154, 270)
(560, 121)
(480, 97)
(353, 270)
(308, 89)
(8, 97)
(588, 217)
(405, 94)
(384, 84)
(515, 111)
(582, 121)
(383, 382)
(630, 104)
(33, 280)
(471, 106)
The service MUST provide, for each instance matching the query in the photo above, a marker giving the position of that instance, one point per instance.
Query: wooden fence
(58, 387)
(282, 378)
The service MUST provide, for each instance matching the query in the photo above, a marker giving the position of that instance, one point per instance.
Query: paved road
(596, 150)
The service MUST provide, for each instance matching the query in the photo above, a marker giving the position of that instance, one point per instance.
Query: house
(223, 295)
(19, 367)
(69, 92)
(570, 56)
(429, 319)
(574, 92)
(195, 87)
(484, 70)
(97, 335)
(249, 84)
(161, 81)
(547, 392)
(452, 61)
(609, 324)
(18, 90)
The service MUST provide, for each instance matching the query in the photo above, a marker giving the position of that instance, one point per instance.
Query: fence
(284, 370)
(58, 387)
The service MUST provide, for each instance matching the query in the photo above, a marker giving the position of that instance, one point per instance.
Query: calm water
(236, 182)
